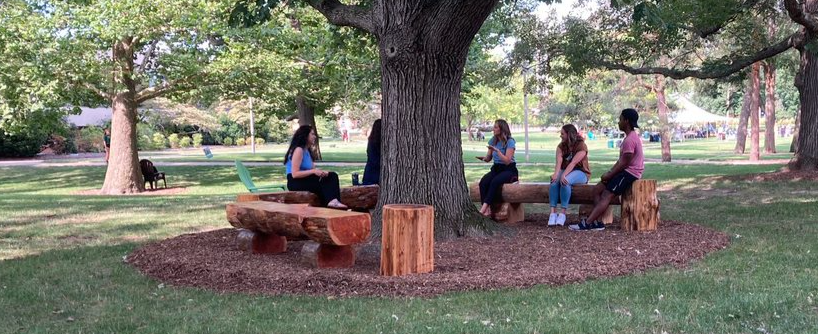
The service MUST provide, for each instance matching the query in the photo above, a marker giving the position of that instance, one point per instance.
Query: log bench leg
(508, 213)
(640, 207)
(327, 256)
(260, 243)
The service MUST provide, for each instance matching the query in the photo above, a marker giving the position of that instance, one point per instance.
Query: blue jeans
(562, 193)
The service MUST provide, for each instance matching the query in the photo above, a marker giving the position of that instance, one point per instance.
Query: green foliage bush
(259, 141)
(327, 128)
(21, 144)
(197, 140)
(173, 140)
(240, 141)
(89, 139)
(228, 141)
(185, 142)
(279, 131)
(217, 139)
(159, 141)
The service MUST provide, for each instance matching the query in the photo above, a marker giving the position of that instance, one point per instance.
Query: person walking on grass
(620, 178)
(501, 149)
(106, 142)
(302, 174)
(571, 168)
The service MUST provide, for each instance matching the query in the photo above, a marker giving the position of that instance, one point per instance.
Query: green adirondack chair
(244, 175)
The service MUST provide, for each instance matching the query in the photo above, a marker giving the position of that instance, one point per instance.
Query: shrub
(185, 142)
(228, 141)
(173, 140)
(259, 141)
(240, 141)
(89, 139)
(217, 139)
(280, 131)
(159, 141)
(327, 128)
(197, 140)
(21, 144)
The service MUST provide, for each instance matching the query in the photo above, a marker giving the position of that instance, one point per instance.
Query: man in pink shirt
(616, 181)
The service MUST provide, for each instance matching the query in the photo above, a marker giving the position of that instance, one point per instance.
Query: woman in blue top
(302, 174)
(372, 170)
(504, 170)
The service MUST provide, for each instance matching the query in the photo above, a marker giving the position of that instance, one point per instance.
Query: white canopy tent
(689, 113)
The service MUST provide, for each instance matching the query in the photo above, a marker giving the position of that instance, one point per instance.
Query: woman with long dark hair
(302, 174)
(501, 149)
(571, 168)
(372, 170)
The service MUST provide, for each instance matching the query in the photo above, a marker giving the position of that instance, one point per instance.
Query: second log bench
(640, 205)
(267, 226)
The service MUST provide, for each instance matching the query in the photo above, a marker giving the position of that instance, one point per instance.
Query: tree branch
(799, 14)
(707, 31)
(156, 91)
(721, 72)
(147, 56)
(345, 15)
(99, 92)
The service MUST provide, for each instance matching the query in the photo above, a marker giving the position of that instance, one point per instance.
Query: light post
(252, 128)
(525, 110)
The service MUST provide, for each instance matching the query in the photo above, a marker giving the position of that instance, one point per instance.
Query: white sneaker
(552, 219)
(560, 219)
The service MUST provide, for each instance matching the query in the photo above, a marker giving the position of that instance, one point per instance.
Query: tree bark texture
(663, 117)
(754, 113)
(306, 116)
(423, 47)
(750, 102)
(806, 156)
(769, 101)
(123, 175)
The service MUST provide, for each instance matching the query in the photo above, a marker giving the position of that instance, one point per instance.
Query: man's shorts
(620, 183)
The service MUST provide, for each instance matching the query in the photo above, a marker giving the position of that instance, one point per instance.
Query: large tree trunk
(754, 113)
(123, 175)
(663, 117)
(750, 102)
(423, 50)
(806, 155)
(306, 116)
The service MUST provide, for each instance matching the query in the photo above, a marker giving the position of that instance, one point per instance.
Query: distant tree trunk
(769, 101)
(794, 144)
(769, 106)
(750, 102)
(754, 114)
(663, 117)
(123, 175)
(306, 116)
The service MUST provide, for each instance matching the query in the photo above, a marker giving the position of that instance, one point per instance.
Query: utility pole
(252, 127)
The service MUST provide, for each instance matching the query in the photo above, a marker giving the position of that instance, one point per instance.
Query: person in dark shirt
(372, 170)
(106, 141)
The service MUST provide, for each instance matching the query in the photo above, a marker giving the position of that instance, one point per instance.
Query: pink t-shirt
(632, 144)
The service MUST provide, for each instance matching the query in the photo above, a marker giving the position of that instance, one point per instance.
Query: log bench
(640, 205)
(358, 198)
(266, 227)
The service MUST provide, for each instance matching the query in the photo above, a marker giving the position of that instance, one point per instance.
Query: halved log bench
(267, 226)
(360, 198)
(640, 205)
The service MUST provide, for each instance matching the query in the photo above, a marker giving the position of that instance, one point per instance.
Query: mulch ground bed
(782, 175)
(533, 254)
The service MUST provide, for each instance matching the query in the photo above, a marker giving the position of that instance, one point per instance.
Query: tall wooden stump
(407, 243)
(640, 207)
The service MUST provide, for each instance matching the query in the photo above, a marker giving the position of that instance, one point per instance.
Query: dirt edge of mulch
(784, 174)
(534, 255)
(148, 192)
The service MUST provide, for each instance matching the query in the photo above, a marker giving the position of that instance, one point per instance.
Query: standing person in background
(619, 179)
(372, 170)
(302, 174)
(106, 142)
(571, 168)
(504, 170)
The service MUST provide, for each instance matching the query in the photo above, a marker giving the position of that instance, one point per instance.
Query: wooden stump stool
(640, 207)
(407, 244)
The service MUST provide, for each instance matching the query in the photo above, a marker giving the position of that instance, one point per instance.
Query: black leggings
(491, 183)
(326, 188)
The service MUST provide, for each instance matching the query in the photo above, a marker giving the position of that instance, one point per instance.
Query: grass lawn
(61, 266)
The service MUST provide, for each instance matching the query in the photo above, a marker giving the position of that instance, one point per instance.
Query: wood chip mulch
(533, 254)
